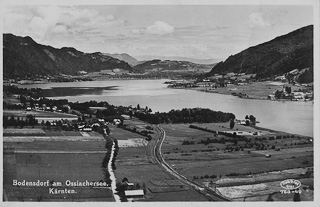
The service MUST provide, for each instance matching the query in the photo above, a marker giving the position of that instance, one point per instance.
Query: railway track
(157, 155)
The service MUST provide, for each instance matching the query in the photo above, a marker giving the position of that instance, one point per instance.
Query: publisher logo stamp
(290, 186)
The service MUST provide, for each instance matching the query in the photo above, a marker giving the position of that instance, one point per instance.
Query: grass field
(37, 114)
(121, 134)
(59, 167)
(132, 163)
(257, 90)
(200, 161)
(83, 194)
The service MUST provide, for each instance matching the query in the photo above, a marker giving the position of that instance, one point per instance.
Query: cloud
(157, 28)
(256, 20)
(44, 22)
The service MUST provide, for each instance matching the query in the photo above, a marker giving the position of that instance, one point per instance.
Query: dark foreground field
(56, 161)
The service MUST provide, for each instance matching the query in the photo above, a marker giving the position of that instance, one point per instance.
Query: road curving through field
(157, 155)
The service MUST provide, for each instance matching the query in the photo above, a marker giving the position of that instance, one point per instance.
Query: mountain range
(178, 58)
(125, 57)
(23, 57)
(157, 65)
(278, 56)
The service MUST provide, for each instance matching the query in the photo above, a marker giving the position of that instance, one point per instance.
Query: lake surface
(287, 116)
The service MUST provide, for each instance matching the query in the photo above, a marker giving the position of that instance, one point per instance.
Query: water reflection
(76, 91)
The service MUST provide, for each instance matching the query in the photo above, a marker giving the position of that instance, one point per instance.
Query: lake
(287, 116)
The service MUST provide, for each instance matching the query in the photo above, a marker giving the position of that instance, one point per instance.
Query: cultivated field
(257, 90)
(38, 114)
(133, 163)
(186, 150)
(36, 154)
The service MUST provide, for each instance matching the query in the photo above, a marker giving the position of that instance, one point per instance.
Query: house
(126, 116)
(134, 193)
(85, 128)
(204, 84)
(82, 72)
(116, 121)
(271, 97)
(294, 72)
(280, 78)
(242, 122)
(95, 125)
(130, 185)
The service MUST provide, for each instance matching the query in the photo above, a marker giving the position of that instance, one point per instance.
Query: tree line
(185, 115)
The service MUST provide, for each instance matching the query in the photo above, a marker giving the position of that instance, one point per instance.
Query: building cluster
(287, 94)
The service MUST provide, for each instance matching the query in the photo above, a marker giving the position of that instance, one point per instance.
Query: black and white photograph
(160, 101)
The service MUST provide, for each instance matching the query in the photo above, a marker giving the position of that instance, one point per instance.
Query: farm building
(134, 193)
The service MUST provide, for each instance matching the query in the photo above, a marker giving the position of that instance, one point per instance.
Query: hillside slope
(22, 57)
(280, 55)
(169, 66)
(125, 57)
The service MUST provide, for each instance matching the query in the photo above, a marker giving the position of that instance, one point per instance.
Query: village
(284, 87)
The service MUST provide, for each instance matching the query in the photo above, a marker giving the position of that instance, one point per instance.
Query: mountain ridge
(277, 56)
(23, 57)
(157, 65)
(125, 57)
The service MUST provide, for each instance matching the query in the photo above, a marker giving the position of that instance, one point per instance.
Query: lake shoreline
(157, 96)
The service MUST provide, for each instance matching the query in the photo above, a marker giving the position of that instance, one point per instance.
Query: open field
(61, 156)
(132, 143)
(58, 167)
(265, 191)
(56, 156)
(35, 193)
(41, 114)
(256, 90)
(58, 145)
(23, 132)
(121, 134)
(133, 164)
(186, 151)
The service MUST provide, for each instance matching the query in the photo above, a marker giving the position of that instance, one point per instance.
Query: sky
(193, 31)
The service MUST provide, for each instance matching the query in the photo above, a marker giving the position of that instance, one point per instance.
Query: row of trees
(199, 115)
(18, 121)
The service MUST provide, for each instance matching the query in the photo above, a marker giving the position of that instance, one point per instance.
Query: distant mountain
(157, 65)
(178, 58)
(125, 57)
(278, 56)
(22, 57)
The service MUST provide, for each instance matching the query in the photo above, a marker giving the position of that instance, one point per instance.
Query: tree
(278, 94)
(231, 123)
(125, 180)
(288, 89)
(138, 107)
(235, 142)
(296, 197)
(144, 187)
(107, 130)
